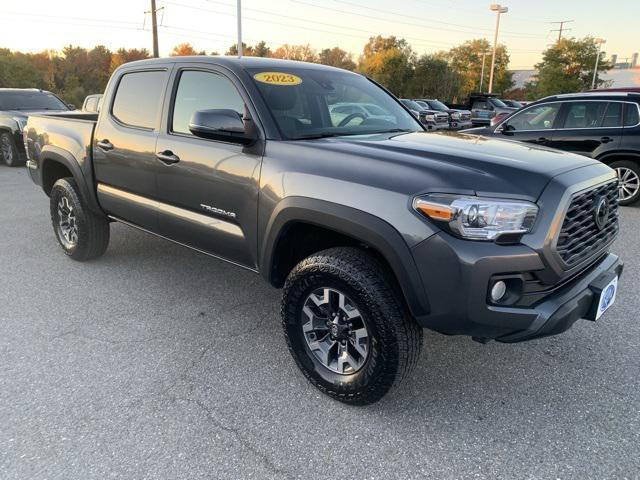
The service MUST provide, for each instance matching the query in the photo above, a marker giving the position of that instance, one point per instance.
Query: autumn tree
(336, 57)
(567, 66)
(124, 55)
(247, 50)
(388, 61)
(303, 53)
(183, 50)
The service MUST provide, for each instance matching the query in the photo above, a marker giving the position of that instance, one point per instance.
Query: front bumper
(457, 293)
(460, 124)
(436, 126)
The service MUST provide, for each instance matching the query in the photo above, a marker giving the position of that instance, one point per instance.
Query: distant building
(628, 77)
(634, 60)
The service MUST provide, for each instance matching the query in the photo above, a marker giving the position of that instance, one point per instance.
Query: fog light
(498, 290)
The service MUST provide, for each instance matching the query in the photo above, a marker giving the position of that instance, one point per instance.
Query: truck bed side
(62, 143)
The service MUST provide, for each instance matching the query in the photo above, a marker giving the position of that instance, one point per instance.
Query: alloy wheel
(629, 183)
(335, 331)
(67, 223)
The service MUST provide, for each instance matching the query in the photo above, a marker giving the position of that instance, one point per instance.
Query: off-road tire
(396, 339)
(92, 229)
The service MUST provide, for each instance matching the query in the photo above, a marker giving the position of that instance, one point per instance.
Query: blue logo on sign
(608, 296)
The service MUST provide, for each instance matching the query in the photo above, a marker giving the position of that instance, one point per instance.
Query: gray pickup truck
(374, 228)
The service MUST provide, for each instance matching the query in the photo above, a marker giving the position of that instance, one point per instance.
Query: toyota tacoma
(374, 228)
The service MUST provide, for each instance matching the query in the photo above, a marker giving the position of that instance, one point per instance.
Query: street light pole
(500, 10)
(239, 28)
(599, 42)
(484, 57)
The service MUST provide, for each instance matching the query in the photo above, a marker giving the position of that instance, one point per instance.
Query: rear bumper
(458, 292)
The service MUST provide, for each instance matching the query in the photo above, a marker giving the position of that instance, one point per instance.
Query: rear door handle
(105, 145)
(542, 140)
(606, 139)
(167, 157)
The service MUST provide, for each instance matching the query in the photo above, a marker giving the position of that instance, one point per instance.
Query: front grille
(442, 118)
(580, 236)
(465, 116)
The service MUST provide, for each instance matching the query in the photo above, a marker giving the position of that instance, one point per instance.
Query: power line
(561, 29)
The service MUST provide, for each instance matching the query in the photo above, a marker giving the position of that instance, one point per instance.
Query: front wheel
(82, 234)
(629, 178)
(346, 327)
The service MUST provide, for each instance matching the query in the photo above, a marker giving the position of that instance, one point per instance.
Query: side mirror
(71, 106)
(506, 129)
(221, 124)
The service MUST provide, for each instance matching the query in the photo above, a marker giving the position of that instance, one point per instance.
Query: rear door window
(138, 98)
(585, 114)
(613, 115)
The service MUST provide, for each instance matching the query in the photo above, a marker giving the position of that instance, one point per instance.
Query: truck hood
(456, 163)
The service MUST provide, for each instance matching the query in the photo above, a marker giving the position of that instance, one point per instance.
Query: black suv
(604, 126)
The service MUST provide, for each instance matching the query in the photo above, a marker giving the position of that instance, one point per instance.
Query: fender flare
(619, 153)
(354, 223)
(51, 153)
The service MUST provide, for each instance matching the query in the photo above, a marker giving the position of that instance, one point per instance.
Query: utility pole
(239, 29)
(484, 57)
(154, 28)
(599, 42)
(499, 10)
(561, 28)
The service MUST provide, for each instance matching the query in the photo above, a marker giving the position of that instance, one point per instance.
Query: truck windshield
(496, 102)
(438, 105)
(30, 101)
(308, 103)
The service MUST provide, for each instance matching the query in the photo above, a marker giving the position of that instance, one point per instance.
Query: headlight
(430, 117)
(478, 218)
(455, 115)
(22, 122)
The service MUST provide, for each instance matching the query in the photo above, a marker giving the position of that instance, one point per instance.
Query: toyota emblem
(601, 212)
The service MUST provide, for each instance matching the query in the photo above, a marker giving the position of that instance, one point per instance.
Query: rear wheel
(82, 234)
(629, 177)
(9, 150)
(346, 327)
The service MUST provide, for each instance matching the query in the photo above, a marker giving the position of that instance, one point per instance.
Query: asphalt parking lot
(156, 362)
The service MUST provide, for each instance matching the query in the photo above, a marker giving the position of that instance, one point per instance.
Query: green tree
(336, 57)
(433, 77)
(567, 67)
(261, 50)
(466, 60)
(389, 61)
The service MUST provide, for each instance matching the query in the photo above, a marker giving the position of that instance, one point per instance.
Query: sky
(210, 25)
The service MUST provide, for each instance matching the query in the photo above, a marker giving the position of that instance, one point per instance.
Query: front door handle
(606, 139)
(167, 157)
(105, 145)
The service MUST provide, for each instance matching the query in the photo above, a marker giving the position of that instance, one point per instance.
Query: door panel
(209, 198)
(589, 128)
(124, 147)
